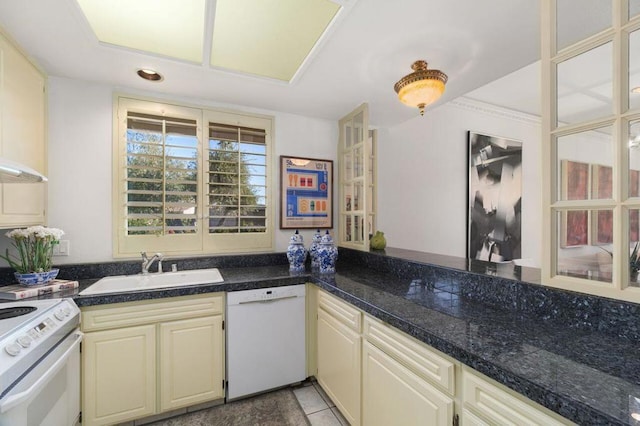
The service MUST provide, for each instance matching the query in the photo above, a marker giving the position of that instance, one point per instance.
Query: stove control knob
(25, 341)
(59, 315)
(13, 349)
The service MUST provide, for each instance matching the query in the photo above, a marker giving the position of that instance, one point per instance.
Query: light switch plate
(62, 249)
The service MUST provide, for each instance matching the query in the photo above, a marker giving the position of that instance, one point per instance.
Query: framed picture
(574, 224)
(602, 188)
(306, 193)
(634, 217)
(495, 198)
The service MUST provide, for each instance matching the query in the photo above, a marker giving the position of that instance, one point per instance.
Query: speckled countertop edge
(512, 373)
(507, 364)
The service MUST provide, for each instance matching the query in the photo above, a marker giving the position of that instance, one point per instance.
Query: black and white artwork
(495, 198)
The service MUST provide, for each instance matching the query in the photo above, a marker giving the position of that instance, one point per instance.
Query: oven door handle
(11, 400)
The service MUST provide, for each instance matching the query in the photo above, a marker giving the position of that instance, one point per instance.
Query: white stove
(39, 349)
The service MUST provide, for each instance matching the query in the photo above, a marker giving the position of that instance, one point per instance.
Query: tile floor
(317, 406)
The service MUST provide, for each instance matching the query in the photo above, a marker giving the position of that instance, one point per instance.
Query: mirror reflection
(579, 19)
(634, 69)
(585, 86)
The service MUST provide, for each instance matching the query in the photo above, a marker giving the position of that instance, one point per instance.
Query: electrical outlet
(62, 249)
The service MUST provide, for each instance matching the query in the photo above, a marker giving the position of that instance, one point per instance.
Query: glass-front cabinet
(591, 132)
(356, 177)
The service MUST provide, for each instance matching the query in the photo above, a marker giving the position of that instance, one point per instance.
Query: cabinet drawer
(341, 311)
(118, 315)
(499, 406)
(424, 362)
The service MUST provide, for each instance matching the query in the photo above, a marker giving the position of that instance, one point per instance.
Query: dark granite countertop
(574, 354)
(585, 376)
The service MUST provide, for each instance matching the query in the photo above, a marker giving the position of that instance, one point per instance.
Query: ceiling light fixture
(422, 87)
(635, 89)
(149, 74)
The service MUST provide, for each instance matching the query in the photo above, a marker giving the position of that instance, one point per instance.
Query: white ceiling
(371, 47)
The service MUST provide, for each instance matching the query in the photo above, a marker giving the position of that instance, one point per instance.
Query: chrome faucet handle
(144, 256)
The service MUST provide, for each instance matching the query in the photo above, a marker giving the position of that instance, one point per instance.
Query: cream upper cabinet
(357, 180)
(22, 135)
(144, 358)
(339, 354)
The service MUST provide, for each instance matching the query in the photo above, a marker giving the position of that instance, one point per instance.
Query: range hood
(12, 172)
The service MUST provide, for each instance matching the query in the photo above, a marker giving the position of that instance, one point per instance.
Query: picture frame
(574, 224)
(494, 207)
(601, 220)
(306, 193)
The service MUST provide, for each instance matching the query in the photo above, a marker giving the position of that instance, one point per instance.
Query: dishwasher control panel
(265, 294)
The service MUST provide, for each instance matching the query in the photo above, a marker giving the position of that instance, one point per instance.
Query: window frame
(618, 120)
(201, 242)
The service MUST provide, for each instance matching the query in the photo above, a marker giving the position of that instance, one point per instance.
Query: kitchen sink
(121, 283)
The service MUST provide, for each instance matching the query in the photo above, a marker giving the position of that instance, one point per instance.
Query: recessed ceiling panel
(171, 28)
(270, 38)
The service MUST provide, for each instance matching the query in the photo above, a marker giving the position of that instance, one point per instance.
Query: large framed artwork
(574, 224)
(495, 198)
(306, 198)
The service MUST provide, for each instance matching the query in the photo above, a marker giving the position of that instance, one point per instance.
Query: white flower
(34, 246)
(18, 234)
(43, 233)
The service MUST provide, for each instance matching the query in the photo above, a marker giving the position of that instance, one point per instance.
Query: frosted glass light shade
(422, 87)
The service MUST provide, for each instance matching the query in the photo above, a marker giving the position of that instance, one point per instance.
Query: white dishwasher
(265, 339)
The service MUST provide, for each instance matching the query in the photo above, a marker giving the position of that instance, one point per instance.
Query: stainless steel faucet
(146, 262)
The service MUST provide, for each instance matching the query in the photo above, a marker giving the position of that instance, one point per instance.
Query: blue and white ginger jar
(327, 255)
(313, 249)
(296, 253)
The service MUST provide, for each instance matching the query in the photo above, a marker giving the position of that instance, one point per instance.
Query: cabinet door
(118, 375)
(339, 360)
(392, 394)
(191, 362)
(22, 135)
(503, 407)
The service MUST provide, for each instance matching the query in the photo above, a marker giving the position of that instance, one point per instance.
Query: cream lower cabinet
(119, 375)
(403, 382)
(144, 358)
(339, 354)
(486, 402)
(399, 380)
(393, 394)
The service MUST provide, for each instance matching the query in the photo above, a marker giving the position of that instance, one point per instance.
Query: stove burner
(15, 312)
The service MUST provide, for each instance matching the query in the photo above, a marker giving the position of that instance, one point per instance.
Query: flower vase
(378, 241)
(313, 250)
(327, 255)
(296, 253)
(36, 278)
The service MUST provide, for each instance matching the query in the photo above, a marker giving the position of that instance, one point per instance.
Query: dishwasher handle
(275, 299)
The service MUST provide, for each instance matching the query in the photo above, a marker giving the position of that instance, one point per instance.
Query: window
(161, 175)
(237, 180)
(592, 168)
(181, 190)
